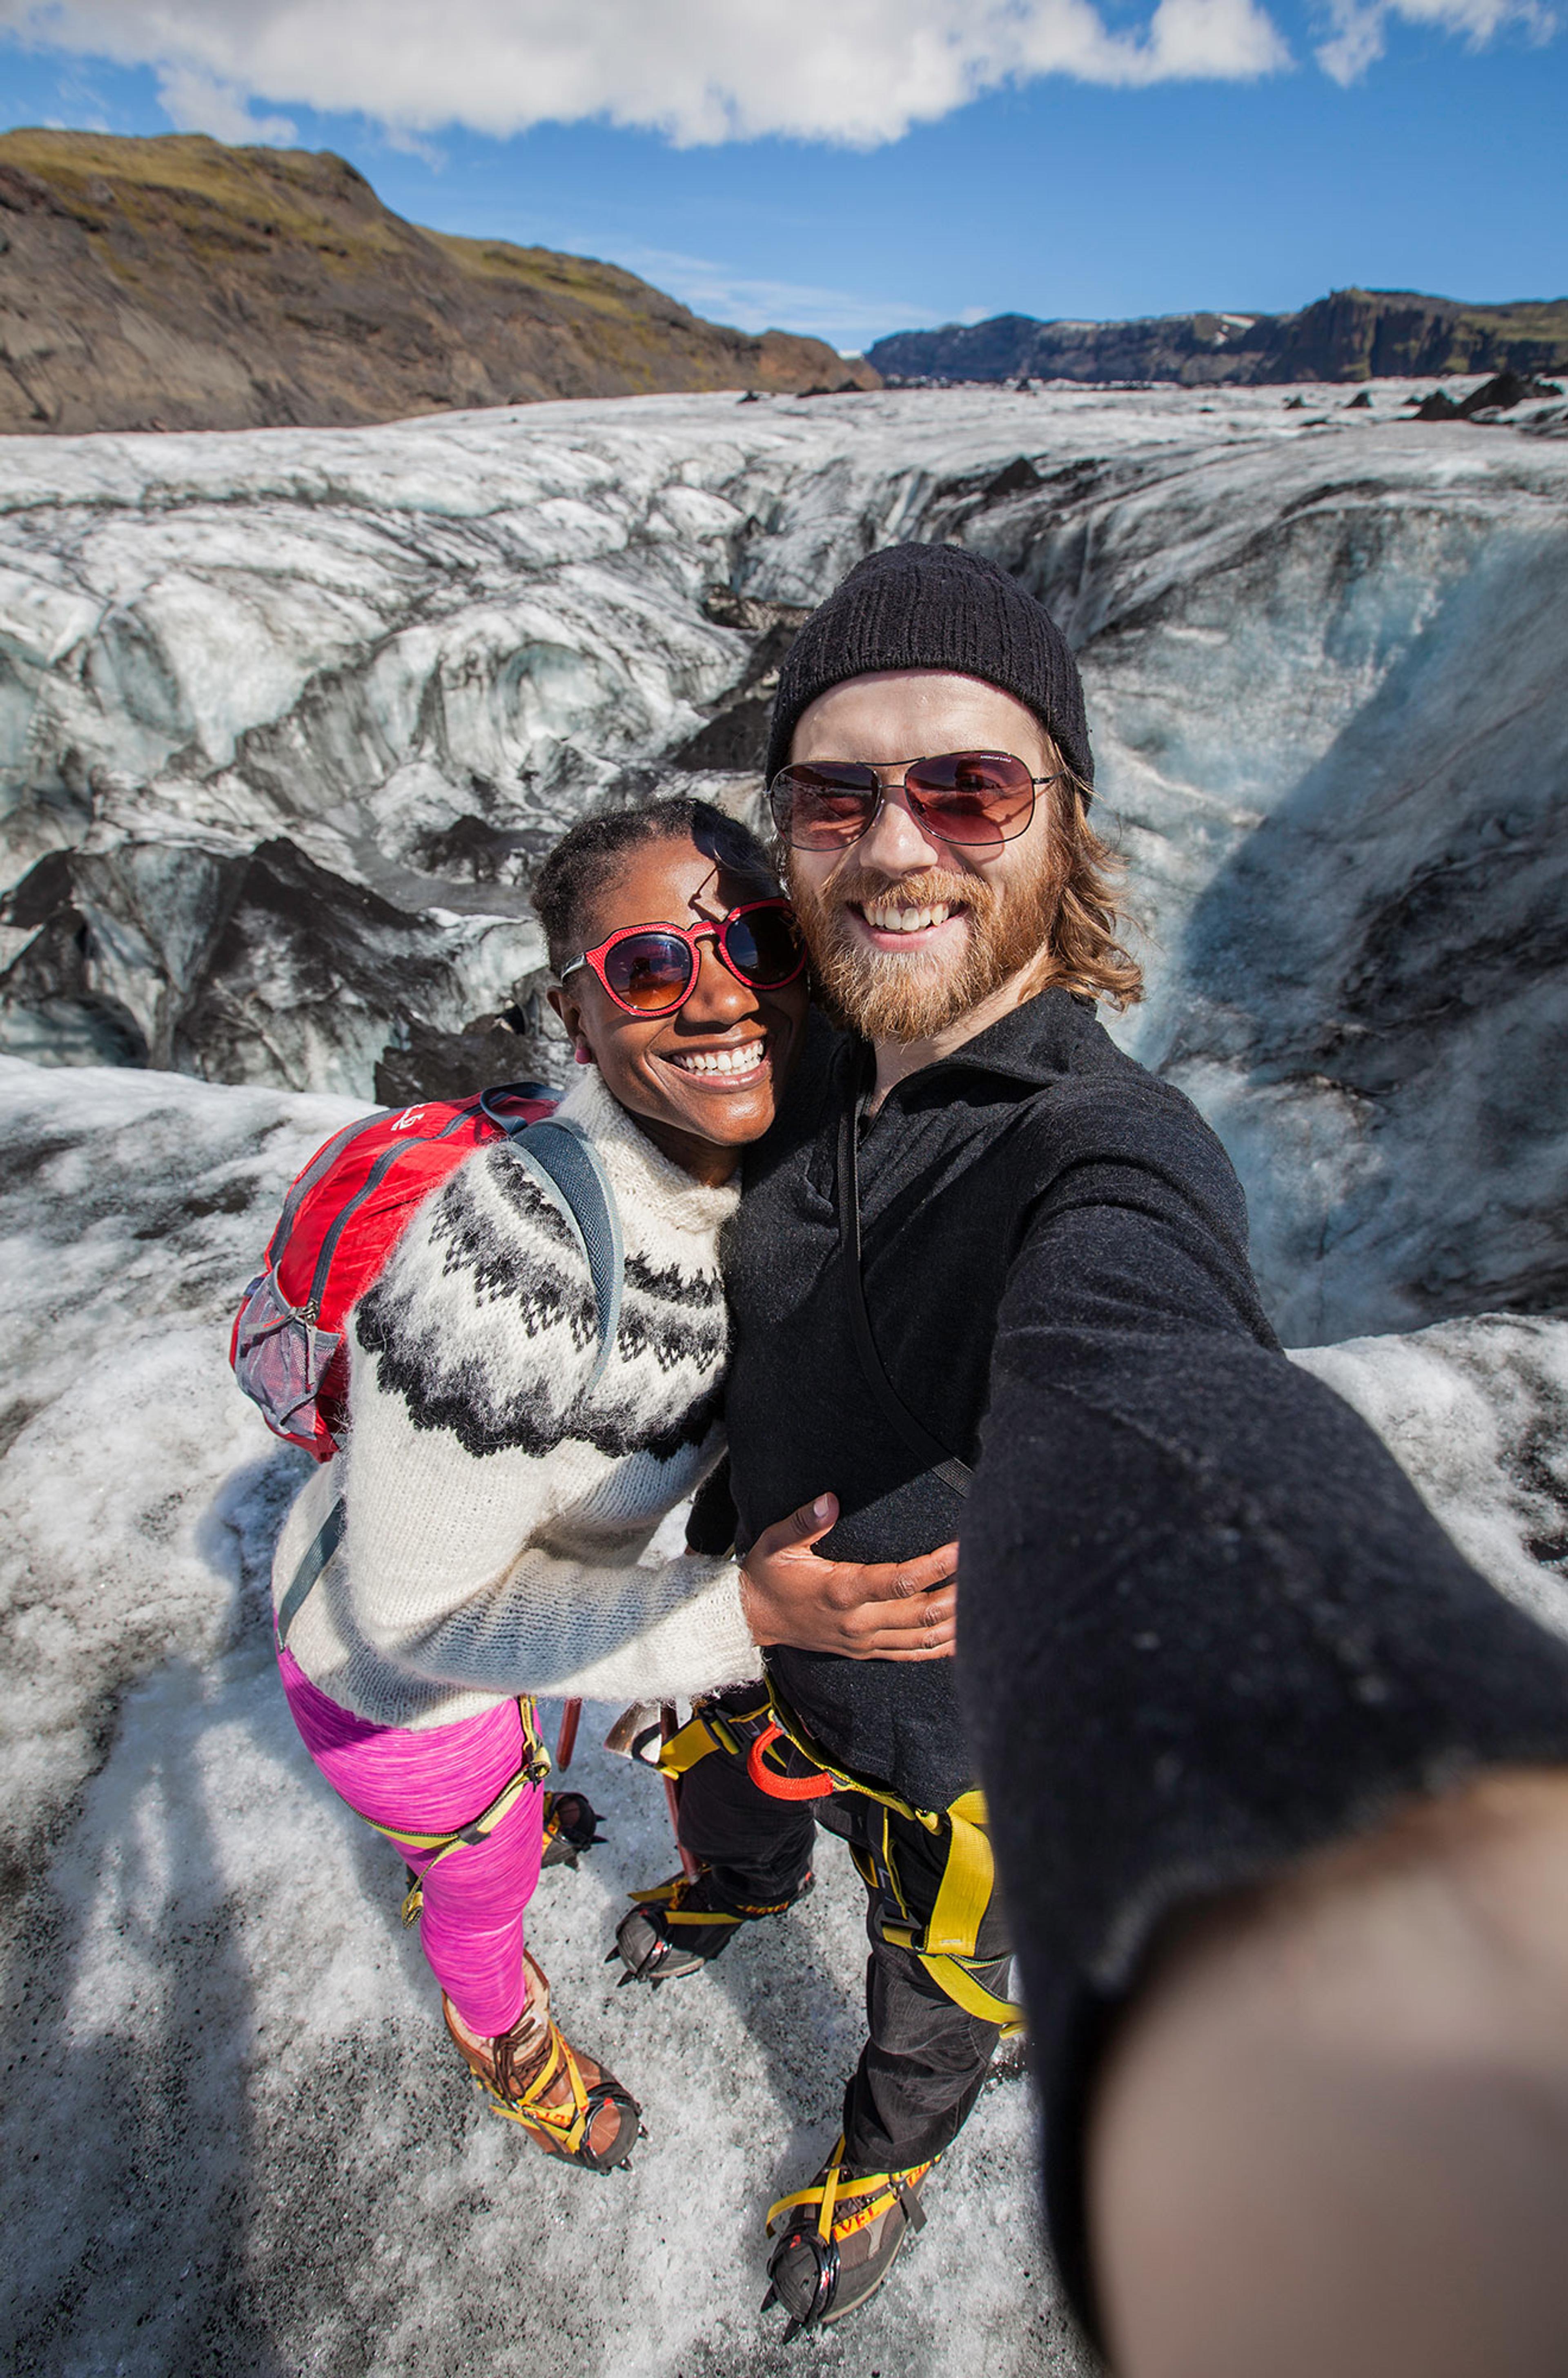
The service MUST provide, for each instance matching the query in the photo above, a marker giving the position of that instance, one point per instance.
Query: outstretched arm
(1331, 2131)
(1211, 1637)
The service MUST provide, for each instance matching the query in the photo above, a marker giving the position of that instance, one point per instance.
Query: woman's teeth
(889, 916)
(743, 1059)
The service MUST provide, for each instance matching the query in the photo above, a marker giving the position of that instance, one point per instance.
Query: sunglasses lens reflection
(764, 946)
(972, 795)
(648, 971)
(826, 808)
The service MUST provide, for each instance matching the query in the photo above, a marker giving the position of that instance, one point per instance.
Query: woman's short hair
(586, 855)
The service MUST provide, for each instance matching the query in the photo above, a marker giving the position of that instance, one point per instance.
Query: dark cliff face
(178, 284)
(1354, 334)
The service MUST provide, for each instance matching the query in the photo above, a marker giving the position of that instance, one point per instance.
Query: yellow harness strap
(536, 1766)
(953, 1978)
(696, 1739)
(946, 1945)
(964, 1892)
(788, 1724)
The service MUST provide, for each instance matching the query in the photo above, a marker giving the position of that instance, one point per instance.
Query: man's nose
(719, 998)
(896, 843)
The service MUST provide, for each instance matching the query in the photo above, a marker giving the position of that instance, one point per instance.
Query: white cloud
(846, 319)
(195, 102)
(1361, 27)
(854, 71)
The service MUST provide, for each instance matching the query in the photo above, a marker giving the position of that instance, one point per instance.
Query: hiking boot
(839, 2238)
(572, 1824)
(564, 2100)
(684, 1924)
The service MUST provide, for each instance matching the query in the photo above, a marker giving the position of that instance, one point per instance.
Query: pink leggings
(434, 1782)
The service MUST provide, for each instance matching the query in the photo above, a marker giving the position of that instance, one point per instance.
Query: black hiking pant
(925, 2057)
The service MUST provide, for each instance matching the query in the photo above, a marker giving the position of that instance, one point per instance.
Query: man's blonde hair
(1088, 952)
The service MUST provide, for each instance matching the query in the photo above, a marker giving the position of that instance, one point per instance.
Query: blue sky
(1224, 154)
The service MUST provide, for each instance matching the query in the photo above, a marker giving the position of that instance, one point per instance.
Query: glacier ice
(236, 2137)
(287, 716)
(285, 720)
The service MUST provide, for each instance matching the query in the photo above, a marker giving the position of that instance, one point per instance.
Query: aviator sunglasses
(652, 969)
(964, 796)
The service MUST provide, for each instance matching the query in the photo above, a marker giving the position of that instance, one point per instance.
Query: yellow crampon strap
(668, 1895)
(564, 2127)
(845, 2205)
(536, 1766)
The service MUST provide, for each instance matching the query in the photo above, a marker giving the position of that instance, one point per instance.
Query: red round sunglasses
(653, 970)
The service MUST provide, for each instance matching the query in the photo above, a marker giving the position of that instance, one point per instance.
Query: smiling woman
(480, 1538)
(688, 991)
(693, 1012)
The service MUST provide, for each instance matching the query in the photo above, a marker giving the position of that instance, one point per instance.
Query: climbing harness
(533, 1768)
(946, 1944)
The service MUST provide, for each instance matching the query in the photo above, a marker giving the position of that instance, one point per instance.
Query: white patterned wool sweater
(496, 1506)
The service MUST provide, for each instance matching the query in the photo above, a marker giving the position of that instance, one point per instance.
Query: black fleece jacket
(970, 1173)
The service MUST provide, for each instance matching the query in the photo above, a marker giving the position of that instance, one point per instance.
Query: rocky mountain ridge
(175, 283)
(1351, 335)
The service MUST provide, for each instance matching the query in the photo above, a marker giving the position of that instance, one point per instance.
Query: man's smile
(888, 922)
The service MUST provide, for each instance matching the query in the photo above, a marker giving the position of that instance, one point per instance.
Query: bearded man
(1207, 1625)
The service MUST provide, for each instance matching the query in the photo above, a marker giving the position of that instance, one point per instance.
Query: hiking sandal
(682, 1924)
(518, 2072)
(840, 2240)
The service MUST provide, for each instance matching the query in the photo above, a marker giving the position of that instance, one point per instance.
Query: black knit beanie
(936, 607)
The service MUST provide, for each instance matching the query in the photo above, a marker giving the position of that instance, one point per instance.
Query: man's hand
(876, 1610)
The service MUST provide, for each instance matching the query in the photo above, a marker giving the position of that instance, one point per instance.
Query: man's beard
(885, 995)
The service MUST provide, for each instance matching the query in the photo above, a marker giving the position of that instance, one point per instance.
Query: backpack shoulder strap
(571, 1170)
(942, 1464)
(317, 1553)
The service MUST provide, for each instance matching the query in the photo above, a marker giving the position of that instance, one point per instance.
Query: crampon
(682, 1924)
(532, 2077)
(571, 1826)
(839, 2239)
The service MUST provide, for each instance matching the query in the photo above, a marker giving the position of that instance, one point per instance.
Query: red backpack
(340, 1220)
